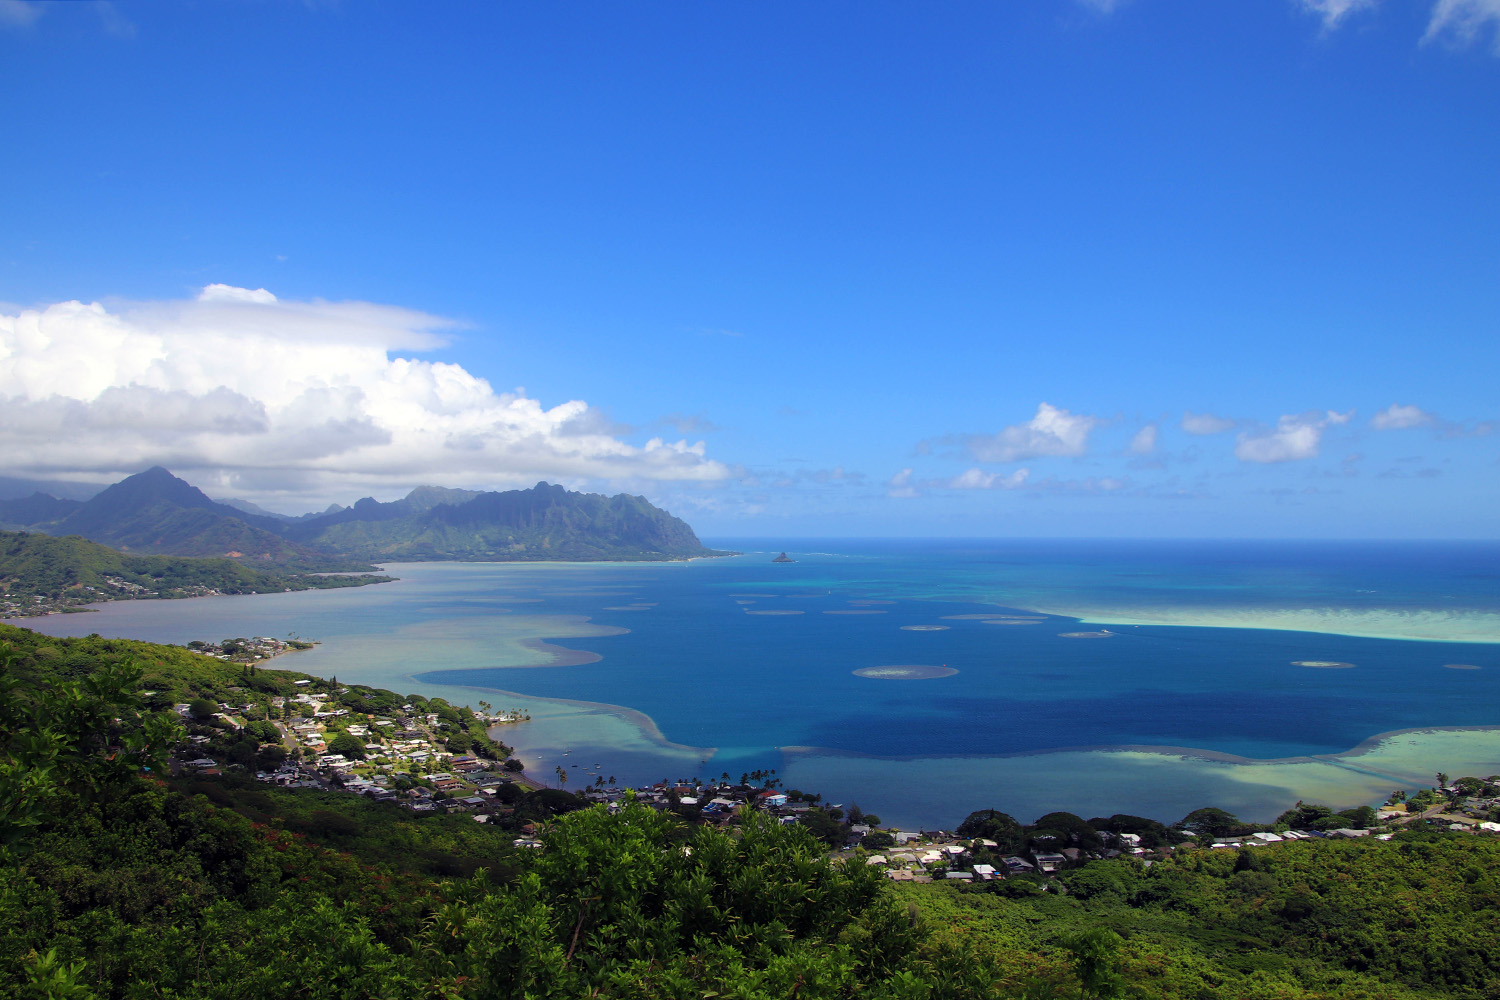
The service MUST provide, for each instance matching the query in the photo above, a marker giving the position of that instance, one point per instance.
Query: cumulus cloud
(1052, 431)
(1462, 22)
(304, 397)
(1295, 437)
(1397, 417)
(1205, 423)
(900, 485)
(978, 479)
(1144, 442)
(1333, 11)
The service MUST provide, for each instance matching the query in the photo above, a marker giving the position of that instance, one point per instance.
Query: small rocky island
(783, 558)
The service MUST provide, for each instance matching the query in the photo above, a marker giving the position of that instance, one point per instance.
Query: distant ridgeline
(154, 512)
(40, 574)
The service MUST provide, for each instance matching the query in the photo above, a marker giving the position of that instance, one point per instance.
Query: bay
(925, 679)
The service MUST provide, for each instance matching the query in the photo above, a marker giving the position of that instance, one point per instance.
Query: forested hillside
(73, 570)
(155, 512)
(118, 880)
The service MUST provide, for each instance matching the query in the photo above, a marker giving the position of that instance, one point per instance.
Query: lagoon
(1097, 677)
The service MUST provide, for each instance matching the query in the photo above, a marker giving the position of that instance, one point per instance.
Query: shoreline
(631, 739)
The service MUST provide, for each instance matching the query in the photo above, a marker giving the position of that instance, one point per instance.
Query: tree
(992, 824)
(347, 746)
(263, 731)
(88, 737)
(1211, 821)
(1072, 829)
(202, 709)
(1096, 960)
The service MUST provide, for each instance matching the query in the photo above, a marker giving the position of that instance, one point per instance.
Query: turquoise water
(732, 665)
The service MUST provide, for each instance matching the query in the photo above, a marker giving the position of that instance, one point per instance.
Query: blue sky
(1145, 268)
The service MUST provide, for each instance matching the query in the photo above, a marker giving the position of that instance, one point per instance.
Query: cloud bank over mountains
(311, 401)
(274, 396)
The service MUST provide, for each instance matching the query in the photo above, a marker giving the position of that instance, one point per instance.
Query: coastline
(400, 636)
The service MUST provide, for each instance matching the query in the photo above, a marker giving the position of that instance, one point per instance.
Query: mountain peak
(156, 483)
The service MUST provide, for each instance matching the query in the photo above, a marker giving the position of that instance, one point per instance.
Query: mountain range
(154, 512)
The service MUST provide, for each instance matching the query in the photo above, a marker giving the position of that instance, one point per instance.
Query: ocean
(925, 679)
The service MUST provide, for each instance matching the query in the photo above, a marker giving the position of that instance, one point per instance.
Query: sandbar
(856, 611)
(778, 611)
(1466, 625)
(905, 672)
(1323, 664)
(1163, 782)
(925, 628)
(1101, 634)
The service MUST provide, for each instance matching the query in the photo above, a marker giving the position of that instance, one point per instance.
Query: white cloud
(307, 398)
(18, 13)
(1205, 423)
(900, 485)
(229, 293)
(1052, 431)
(1295, 437)
(977, 479)
(1461, 22)
(1333, 11)
(1397, 417)
(1144, 442)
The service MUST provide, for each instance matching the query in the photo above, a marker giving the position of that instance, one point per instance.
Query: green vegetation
(76, 570)
(156, 512)
(544, 522)
(119, 881)
(1346, 918)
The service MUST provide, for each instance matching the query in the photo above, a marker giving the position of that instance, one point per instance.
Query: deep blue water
(712, 675)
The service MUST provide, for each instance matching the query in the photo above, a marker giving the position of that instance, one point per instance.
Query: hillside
(117, 883)
(154, 512)
(62, 572)
(543, 523)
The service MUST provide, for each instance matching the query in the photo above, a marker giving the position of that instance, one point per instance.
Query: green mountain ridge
(543, 523)
(154, 512)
